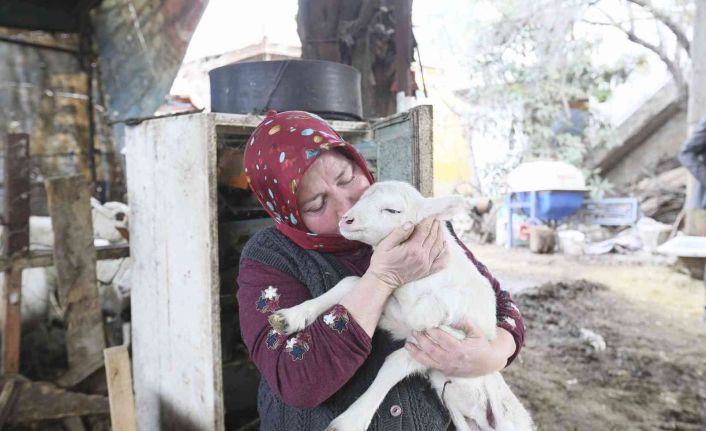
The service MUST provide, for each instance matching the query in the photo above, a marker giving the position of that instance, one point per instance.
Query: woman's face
(328, 189)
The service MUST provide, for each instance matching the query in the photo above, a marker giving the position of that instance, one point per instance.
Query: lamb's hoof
(278, 322)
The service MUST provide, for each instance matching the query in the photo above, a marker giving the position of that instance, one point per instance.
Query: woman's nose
(343, 207)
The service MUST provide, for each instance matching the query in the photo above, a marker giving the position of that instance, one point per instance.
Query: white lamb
(439, 300)
(110, 227)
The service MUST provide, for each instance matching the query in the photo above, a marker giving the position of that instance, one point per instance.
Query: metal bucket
(331, 90)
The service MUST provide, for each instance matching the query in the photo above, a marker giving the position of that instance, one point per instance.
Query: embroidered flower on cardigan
(337, 319)
(268, 302)
(297, 346)
(510, 321)
(274, 339)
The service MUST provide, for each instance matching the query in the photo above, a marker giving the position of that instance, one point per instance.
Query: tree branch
(673, 67)
(667, 21)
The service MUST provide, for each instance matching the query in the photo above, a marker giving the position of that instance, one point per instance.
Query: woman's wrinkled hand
(409, 253)
(473, 356)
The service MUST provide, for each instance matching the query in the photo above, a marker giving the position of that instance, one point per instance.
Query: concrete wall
(641, 162)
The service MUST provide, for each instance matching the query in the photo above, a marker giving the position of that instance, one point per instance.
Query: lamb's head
(388, 205)
(110, 221)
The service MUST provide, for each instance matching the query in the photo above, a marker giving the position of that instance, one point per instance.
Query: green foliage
(531, 69)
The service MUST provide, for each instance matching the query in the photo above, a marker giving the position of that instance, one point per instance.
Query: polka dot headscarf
(277, 155)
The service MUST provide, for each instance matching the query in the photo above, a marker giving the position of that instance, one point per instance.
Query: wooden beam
(17, 242)
(43, 400)
(68, 199)
(74, 423)
(122, 400)
(35, 259)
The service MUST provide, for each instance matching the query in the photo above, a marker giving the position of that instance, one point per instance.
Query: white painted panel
(173, 241)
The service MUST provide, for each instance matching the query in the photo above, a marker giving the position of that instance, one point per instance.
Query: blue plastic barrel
(553, 204)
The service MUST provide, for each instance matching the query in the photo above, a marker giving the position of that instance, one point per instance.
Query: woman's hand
(408, 254)
(473, 356)
(405, 255)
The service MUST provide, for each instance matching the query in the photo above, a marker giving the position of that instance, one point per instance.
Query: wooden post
(16, 243)
(122, 401)
(403, 45)
(695, 223)
(68, 199)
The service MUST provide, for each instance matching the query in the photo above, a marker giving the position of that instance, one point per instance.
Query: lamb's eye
(391, 211)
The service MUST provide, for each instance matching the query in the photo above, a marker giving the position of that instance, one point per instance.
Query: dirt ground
(652, 373)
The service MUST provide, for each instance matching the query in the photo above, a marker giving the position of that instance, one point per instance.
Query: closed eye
(391, 211)
(345, 183)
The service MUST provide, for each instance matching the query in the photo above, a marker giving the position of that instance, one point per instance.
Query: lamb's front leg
(293, 319)
(398, 365)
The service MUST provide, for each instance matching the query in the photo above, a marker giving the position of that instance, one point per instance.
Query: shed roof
(47, 15)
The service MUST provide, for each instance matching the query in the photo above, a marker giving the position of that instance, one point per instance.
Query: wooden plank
(122, 401)
(43, 400)
(423, 143)
(68, 199)
(246, 123)
(176, 352)
(79, 372)
(41, 258)
(8, 396)
(16, 243)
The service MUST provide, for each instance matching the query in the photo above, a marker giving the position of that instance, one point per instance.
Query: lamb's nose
(348, 219)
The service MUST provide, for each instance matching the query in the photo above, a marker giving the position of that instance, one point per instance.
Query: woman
(306, 177)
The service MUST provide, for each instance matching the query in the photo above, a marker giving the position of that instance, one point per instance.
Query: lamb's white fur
(439, 300)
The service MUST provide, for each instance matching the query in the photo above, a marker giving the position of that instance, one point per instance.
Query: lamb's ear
(443, 208)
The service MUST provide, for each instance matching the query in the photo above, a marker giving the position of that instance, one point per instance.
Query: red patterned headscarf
(277, 155)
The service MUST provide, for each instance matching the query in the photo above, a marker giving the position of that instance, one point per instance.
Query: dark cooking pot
(329, 89)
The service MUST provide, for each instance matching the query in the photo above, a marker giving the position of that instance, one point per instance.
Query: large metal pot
(329, 89)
